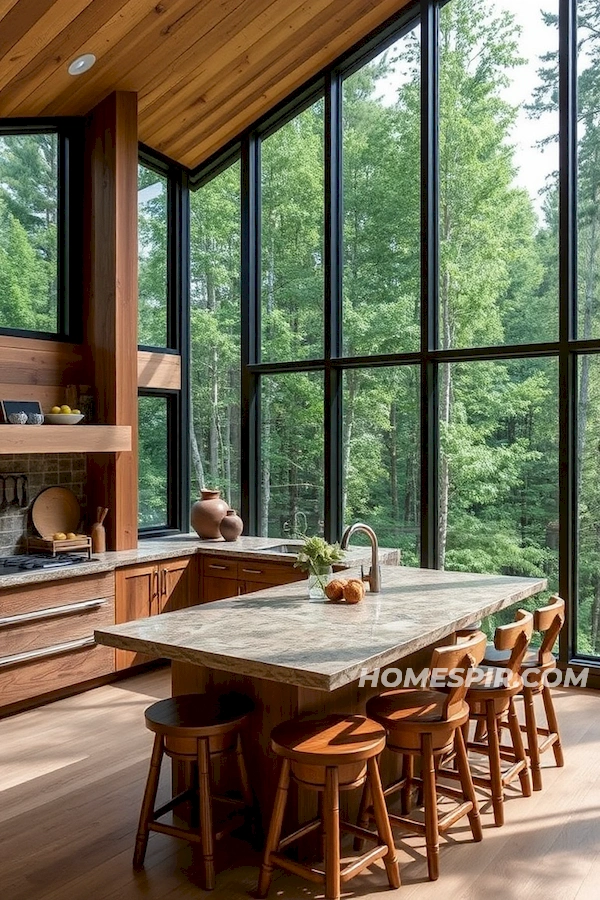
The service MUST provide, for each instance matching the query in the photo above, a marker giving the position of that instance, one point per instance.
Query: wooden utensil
(98, 531)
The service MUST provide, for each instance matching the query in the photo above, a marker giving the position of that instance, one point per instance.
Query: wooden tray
(54, 547)
(55, 510)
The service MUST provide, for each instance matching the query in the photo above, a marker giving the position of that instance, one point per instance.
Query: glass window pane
(382, 205)
(153, 462)
(152, 258)
(588, 482)
(292, 460)
(292, 239)
(381, 455)
(215, 335)
(588, 185)
(498, 173)
(29, 232)
(499, 468)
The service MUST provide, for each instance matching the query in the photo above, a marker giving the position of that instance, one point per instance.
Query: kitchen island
(293, 655)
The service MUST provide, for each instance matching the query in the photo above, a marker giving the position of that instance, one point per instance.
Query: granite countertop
(281, 635)
(183, 545)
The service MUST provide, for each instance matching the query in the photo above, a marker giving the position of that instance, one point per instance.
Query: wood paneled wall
(110, 307)
(33, 369)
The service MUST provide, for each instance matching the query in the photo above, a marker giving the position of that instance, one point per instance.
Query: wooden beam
(159, 370)
(111, 157)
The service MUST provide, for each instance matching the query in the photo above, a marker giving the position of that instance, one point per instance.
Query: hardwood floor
(71, 780)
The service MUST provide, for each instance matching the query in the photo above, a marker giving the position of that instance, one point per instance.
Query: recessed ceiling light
(82, 64)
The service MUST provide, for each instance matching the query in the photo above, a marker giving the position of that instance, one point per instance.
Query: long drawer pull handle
(52, 611)
(253, 571)
(214, 566)
(44, 652)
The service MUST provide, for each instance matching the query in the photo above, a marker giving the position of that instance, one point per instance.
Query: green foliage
(316, 554)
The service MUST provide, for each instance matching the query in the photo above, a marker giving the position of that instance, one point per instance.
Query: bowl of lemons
(63, 415)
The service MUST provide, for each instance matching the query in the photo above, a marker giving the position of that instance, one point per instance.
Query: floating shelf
(65, 438)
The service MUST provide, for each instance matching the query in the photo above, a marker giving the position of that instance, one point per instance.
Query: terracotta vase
(207, 514)
(231, 526)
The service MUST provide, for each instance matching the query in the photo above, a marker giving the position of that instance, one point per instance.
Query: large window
(31, 296)
(153, 296)
(153, 424)
(215, 335)
(394, 300)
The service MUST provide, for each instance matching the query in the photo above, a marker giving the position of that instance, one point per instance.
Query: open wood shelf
(65, 438)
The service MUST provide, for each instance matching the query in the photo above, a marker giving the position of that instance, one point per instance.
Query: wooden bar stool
(491, 704)
(427, 724)
(193, 729)
(547, 621)
(329, 755)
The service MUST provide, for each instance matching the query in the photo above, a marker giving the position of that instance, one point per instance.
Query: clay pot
(231, 526)
(207, 514)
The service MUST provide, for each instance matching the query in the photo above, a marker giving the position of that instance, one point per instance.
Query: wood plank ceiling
(203, 69)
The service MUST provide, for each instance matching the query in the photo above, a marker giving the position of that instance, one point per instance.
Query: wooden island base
(276, 702)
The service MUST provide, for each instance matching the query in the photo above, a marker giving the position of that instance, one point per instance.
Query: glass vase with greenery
(317, 557)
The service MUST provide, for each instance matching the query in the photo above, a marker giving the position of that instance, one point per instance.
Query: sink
(290, 547)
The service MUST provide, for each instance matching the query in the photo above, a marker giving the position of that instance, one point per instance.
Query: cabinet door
(218, 588)
(136, 597)
(174, 581)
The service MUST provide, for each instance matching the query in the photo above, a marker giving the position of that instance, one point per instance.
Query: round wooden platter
(55, 509)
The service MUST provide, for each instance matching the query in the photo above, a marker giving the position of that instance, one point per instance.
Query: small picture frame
(31, 407)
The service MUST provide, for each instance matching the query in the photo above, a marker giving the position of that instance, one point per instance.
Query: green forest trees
(29, 232)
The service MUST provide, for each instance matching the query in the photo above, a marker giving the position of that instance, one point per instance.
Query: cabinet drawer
(220, 567)
(53, 625)
(52, 673)
(56, 593)
(269, 573)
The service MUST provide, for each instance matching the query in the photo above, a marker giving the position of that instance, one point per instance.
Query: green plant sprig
(316, 553)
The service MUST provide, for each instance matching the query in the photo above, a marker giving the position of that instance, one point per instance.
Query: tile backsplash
(42, 471)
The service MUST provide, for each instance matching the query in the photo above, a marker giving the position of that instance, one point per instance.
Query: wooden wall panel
(159, 370)
(33, 369)
(110, 309)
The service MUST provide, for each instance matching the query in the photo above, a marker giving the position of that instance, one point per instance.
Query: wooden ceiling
(203, 69)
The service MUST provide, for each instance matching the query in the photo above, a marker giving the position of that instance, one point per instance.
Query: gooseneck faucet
(374, 576)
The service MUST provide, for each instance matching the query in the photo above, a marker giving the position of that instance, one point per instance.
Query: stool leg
(533, 747)
(466, 783)
(363, 814)
(432, 838)
(495, 766)
(331, 817)
(408, 773)
(141, 841)
(517, 742)
(266, 869)
(553, 725)
(245, 783)
(384, 829)
(206, 824)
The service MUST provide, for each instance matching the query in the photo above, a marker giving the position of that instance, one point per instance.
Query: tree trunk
(445, 402)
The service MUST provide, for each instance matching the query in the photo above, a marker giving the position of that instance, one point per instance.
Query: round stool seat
(334, 740)
(196, 715)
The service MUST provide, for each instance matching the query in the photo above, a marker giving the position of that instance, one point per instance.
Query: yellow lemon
(71, 536)
(55, 410)
(59, 536)
(65, 410)
(76, 412)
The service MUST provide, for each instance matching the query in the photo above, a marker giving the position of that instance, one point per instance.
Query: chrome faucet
(374, 576)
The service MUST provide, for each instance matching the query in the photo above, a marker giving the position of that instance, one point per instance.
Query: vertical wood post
(110, 304)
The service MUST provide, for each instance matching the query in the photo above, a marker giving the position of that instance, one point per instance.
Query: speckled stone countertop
(182, 545)
(281, 635)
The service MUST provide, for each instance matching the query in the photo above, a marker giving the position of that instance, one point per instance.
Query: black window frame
(70, 250)
(566, 349)
(178, 404)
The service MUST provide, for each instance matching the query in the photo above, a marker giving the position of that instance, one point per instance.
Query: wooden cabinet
(47, 636)
(150, 589)
(222, 577)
